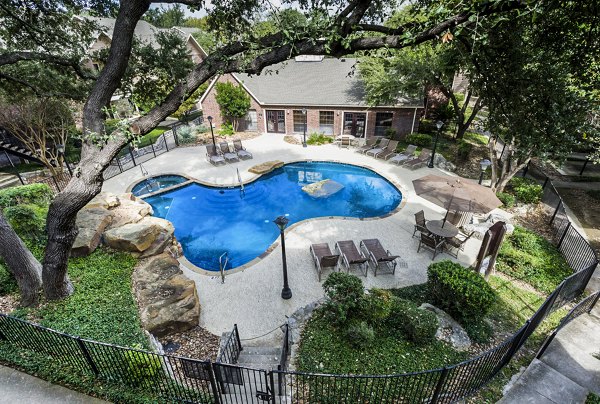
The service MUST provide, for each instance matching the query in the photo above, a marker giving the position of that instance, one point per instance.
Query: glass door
(354, 123)
(275, 121)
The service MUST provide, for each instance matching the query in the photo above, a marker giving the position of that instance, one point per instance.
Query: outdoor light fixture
(210, 118)
(304, 113)
(484, 164)
(60, 148)
(438, 125)
(282, 222)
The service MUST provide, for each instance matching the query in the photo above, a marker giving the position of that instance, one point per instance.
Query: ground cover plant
(317, 139)
(529, 257)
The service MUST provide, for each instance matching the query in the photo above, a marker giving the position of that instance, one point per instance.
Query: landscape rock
(91, 222)
(265, 167)
(448, 329)
(150, 233)
(441, 162)
(167, 299)
(104, 200)
(131, 209)
(323, 189)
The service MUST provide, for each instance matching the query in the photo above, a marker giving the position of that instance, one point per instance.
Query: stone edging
(296, 322)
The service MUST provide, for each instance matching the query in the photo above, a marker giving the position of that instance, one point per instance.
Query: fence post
(272, 382)
(165, 140)
(237, 337)
(55, 183)
(152, 145)
(175, 136)
(131, 154)
(547, 342)
(556, 210)
(87, 356)
(545, 182)
(213, 383)
(584, 165)
(562, 238)
(440, 384)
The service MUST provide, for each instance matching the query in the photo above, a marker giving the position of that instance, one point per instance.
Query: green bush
(185, 135)
(377, 305)
(526, 190)
(360, 334)
(28, 220)
(141, 366)
(226, 129)
(464, 149)
(202, 129)
(419, 139)
(345, 294)
(36, 194)
(427, 126)
(416, 325)
(317, 139)
(507, 199)
(390, 133)
(8, 284)
(459, 291)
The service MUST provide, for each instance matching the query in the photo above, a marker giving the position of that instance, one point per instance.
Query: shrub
(201, 129)
(345, 294)
(419, 139)
(526, 190)
(28, 220)
(226, 129)
(36, 194)
(377, 305)
(8, 283)
(360, 334)
(185, 135)
(427, 126)
(390, 133)
(507, 199)
(464, 149)
(416, 325)
(141, 366)
(317, 139)
(458, 290)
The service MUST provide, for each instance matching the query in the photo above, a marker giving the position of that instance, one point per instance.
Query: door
(354, 123)
(275, 121)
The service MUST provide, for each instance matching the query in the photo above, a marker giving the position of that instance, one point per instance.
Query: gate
(243, 385)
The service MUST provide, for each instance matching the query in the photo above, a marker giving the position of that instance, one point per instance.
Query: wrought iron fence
(231, 349)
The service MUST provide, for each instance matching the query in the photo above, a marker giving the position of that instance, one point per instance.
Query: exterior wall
(195, 51)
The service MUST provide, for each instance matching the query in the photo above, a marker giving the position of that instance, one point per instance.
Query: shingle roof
(330, 82)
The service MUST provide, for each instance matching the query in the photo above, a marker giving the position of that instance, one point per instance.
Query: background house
(332, 95)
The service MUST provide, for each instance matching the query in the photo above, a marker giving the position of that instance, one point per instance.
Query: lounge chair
(389, 151)
(229, 156)
(213, 156)
(456, 244)
(378, 256)
(380, 147)
(431, 243)
(405, 156)
(369, 144)
(351, 255)
(419, 161)
(241, 150)
(420, 223)
(323, 257)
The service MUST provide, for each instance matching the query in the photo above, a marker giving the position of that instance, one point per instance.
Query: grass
(22, 168)
(150, 137)
(529, 257)
(476, 138)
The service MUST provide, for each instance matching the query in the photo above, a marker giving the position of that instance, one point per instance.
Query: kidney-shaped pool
(210, 221)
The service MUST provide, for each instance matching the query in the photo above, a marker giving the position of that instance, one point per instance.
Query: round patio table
(435, 227)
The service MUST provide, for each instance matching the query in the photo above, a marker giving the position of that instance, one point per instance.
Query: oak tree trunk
(26, 269)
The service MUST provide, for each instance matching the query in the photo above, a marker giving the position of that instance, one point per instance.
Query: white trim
(354, 112)
(248, 90)
(412, 128)
(366, 123)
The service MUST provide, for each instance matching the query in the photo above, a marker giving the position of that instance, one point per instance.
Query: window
(326, 122)
(299, 121)
(383, 121)
(249, 123)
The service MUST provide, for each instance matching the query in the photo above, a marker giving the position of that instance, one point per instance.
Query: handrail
(222, 266)
(240, 180)
(232, 347)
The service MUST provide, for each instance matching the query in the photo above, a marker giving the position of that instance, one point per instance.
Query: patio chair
(323, 257)
(380, 147)
(431, 243)
(456, 244)
(420, 223)
(241, 150)
(389, 151)
(227, 154)
(213, 156)
(419, 161)
(459, 219)
(344, 141)
(369, 144)
(378, 256)
(405, 156)
(352, 256)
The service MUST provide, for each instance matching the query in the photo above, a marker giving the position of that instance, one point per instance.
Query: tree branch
(9, 58)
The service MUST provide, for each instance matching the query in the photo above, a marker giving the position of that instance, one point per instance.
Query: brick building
(323, 93)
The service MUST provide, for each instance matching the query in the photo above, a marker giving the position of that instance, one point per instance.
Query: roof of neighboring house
(326, 82)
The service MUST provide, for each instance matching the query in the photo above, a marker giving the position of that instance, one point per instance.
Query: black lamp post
(60, 148)
(304, 113)
(281, 222)
(484, 164)
(439, 125)
(211, 130)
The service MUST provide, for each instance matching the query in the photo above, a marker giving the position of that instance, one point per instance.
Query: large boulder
(323, 189)
(167, 299)
(448, 329)
(131, 209)
(91, 222)
(104, 200)
(265, 167)
(150, 235)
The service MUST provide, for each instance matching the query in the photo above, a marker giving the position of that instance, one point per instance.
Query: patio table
(447, 231)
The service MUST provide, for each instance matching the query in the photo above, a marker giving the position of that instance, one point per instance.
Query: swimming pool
(210, 221)
(157, 183)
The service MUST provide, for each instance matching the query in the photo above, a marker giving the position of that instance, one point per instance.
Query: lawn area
(150, 138)
(22, 168)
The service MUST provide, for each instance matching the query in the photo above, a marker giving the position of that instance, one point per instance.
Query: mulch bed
(536, 220)
(8, 303)
(196, 343)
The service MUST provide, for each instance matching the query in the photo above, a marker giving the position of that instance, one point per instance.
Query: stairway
(13, 146)
(8, 180)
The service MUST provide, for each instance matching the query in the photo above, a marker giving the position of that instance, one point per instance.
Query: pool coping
(192, 267)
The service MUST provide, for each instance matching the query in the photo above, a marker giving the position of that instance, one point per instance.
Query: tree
(41, 125)
(190, 103)
(347, 31)
(233, 101)
(166, 17)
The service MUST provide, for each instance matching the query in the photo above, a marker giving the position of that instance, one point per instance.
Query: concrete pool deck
(251, 298)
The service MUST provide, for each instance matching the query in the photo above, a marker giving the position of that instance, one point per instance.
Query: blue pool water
(156, 184)
(210, 221)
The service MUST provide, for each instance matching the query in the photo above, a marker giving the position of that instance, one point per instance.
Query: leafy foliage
(508, 200)
(526, 190)
(226, 129)
(531, 258)
(28, 220)
(344, 296)
(460, 291)
(417, 325)
(233, 101)
(185, 135)
(36, 194)
(359, 334)
(318, 139)
(419, 139)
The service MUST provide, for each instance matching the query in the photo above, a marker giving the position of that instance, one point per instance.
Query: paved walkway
(251, 298)
(567, 371)
(18, 387)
